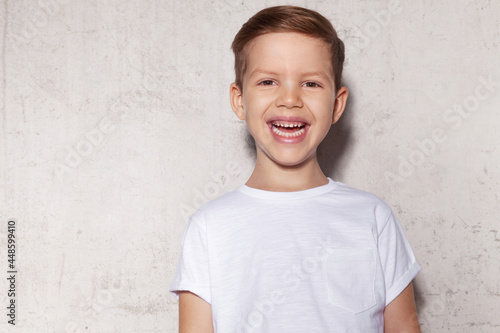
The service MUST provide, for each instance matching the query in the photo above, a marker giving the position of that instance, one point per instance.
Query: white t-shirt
(326, 259)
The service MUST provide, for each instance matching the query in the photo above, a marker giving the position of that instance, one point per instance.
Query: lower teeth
(288, 134)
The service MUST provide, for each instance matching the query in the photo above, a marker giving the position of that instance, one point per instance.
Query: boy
(293, 250)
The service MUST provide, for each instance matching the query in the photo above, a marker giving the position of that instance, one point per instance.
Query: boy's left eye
(311, 84)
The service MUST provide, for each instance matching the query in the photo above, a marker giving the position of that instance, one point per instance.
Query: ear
(340, 103)
(236, 99)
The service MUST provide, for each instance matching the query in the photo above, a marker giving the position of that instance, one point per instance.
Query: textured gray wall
(116, 125)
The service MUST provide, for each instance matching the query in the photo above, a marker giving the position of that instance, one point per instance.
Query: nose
(289, 97)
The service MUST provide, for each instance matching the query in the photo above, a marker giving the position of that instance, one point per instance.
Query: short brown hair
(287, 19)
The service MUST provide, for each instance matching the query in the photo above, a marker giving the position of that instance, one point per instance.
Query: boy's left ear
(236, 99)
(340, 103)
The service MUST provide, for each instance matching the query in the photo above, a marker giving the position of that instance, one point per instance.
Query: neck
(271, 176)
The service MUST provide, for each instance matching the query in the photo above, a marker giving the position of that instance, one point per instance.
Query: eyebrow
(315, 73)
(260, 71)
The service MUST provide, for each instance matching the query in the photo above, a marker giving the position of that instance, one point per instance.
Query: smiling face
(289, 99)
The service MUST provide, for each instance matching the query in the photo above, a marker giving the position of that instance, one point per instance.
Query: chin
(290, 161)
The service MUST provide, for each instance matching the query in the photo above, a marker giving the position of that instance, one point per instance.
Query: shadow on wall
(339, 140)
(250, 145)
(420, 302)
(331, 152)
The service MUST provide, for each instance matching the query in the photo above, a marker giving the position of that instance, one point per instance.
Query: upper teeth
(287, 125)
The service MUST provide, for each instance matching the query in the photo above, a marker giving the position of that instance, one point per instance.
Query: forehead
(288, 52)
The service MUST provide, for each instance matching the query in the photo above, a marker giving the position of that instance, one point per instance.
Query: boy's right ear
(236, 99)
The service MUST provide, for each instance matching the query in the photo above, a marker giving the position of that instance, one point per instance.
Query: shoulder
(356, 196)
(226, 203)
(363, 201)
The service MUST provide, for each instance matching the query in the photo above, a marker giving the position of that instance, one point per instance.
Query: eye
(266, 83)
(312, 84)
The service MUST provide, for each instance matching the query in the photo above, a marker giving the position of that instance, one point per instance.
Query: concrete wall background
(115, 125)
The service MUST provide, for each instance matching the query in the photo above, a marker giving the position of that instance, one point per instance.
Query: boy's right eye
(266, 83)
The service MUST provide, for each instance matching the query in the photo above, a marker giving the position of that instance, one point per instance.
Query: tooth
(288, 135)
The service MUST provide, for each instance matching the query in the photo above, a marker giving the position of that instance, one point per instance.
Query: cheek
(324, 120)
(323, 109)
(255, 104)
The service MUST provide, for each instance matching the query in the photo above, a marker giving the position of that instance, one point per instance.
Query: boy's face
(288, 99)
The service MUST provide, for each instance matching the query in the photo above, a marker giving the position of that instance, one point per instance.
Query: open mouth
(288, 129)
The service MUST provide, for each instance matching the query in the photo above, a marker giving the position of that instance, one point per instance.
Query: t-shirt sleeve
(398, 261)
(192, 272)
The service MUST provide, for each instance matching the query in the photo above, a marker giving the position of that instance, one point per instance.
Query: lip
(288, 120)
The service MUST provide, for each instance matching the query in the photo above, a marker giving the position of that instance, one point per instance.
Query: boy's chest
(288, 231)
(329, 257)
